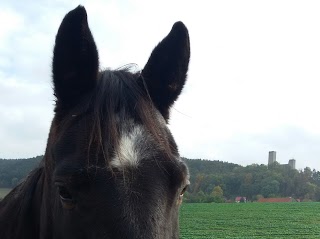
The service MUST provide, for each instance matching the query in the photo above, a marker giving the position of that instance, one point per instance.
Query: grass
(4, 192)
(250, 220)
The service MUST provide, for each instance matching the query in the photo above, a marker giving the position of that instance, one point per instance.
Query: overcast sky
(253, 82)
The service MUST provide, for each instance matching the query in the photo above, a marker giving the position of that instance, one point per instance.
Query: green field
(4, 192)
(250, 220)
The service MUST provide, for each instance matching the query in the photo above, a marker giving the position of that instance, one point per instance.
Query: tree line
(12, 171)
(213, 181)
(216, 181)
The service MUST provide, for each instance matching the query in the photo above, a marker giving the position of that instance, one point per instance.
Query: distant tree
(307, 173)
(311, 190)
(316, 177)
(317, 195)
(201, 197)
(258, 197)
(270, 189)
(217, 194)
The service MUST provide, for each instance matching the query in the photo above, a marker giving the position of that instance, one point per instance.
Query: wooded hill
(213, 181)
(219, 181)
(13, 171)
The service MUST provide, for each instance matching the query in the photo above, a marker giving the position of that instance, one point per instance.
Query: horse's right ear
(166, 70)
(75, 59)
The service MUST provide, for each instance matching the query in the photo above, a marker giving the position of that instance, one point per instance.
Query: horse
(111, 167)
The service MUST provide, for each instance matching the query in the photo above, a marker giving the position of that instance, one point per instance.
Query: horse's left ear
(166, 70)
(75, 59)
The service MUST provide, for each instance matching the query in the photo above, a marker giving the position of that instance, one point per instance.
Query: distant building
(292, 163)
(288, 199)
(240, 199)
(272, 157)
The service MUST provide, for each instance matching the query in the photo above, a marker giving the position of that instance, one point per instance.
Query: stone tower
(272, 157)
(292, 163)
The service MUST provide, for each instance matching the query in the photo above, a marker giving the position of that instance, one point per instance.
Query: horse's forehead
(135, 144)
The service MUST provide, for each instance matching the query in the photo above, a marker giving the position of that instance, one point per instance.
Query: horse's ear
(166, 70)
(75, 59)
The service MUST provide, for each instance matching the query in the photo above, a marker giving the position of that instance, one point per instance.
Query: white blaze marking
(128, 154)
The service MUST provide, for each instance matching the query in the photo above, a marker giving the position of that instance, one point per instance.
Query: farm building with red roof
(240, 199)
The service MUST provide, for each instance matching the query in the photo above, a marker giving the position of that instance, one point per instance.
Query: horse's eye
(66, 198)
(183, 190)
(181, 194)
